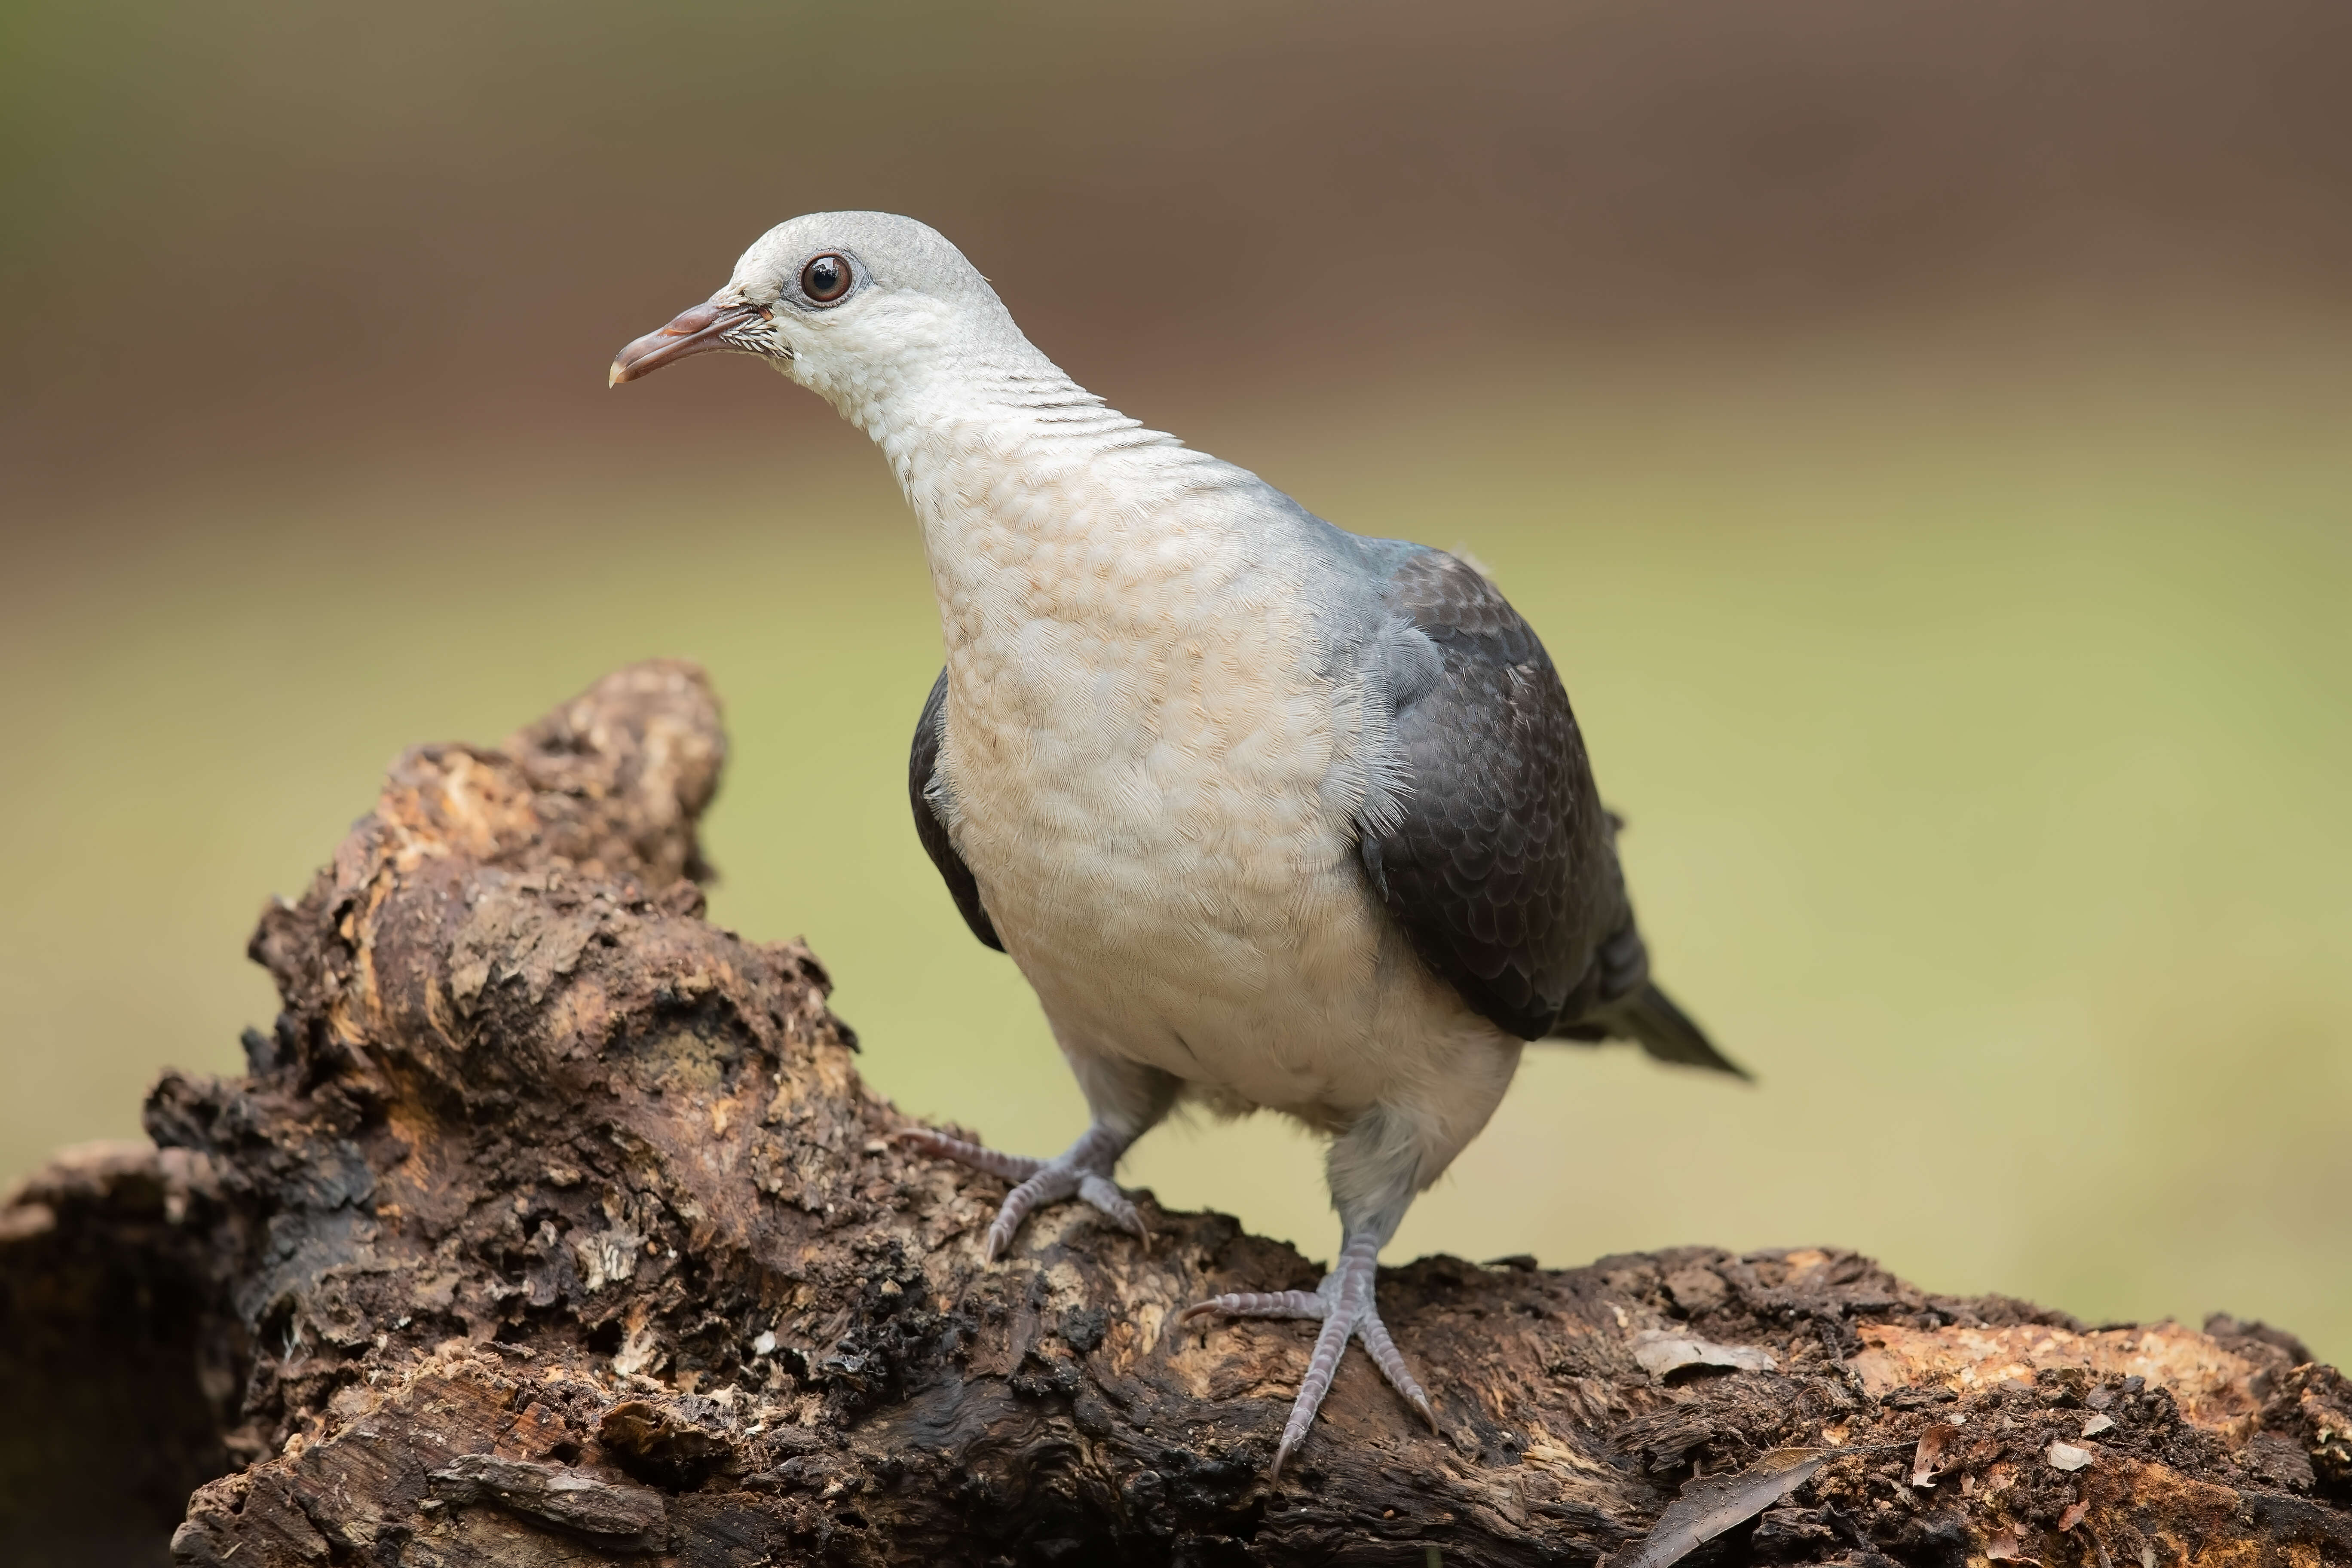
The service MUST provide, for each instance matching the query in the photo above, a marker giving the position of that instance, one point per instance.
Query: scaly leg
(1082, 1171)
(1375, 1168)
(1127, 1100)
(1344, 1304)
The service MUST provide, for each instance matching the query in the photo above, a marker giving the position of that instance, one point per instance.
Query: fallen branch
(554, 1224)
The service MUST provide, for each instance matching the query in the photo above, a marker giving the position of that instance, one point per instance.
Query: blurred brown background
(1919, 431)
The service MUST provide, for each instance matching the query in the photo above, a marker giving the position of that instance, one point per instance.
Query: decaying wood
(554, 1224)
(121, 1354)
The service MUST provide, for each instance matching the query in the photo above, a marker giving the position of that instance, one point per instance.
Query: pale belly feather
(1154, 840)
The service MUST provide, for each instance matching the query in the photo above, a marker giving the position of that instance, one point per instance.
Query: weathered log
(554, 1224)
(121, 1354)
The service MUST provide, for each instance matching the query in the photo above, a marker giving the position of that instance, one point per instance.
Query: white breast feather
(1154, 789)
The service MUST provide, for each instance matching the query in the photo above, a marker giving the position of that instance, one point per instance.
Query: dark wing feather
(1499, 867)
(1502, 865)
(922, 766)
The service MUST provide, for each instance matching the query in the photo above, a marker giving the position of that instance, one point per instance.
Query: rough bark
(554, 1224)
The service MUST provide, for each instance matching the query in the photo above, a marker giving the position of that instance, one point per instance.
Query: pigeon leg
(1082, 1171)
(1128, 1099)
(1375, 1167)
(1344, 1304)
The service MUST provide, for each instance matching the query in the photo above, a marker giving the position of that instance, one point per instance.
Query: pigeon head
(855, 306)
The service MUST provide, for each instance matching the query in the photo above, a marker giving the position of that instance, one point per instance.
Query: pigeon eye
(826, 279)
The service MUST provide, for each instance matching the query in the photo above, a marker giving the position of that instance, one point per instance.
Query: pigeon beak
(695, 332)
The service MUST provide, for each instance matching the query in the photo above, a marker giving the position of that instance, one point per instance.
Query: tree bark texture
(553, 1224)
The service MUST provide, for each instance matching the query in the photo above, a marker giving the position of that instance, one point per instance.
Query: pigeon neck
(984, 447)
(1019, 477)
(1026, 416)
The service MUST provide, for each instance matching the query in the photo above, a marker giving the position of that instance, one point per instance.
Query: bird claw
(1344, 1304)
(1104, 1193)
(1082, 1172)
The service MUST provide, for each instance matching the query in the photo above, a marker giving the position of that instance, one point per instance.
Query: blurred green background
(1918, 430)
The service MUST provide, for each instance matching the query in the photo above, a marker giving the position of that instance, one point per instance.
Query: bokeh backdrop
(1918, 429)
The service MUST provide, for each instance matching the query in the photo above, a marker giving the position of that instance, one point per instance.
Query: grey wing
(1499, 861)
(922, 767)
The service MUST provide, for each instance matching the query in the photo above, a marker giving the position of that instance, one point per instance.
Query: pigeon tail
(1649, 1018)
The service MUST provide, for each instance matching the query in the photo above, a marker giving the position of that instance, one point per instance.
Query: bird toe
(1345, 1304)
(1260, 1304)
(1105, 1195)
(1082, 1171)
(1011, 1167)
